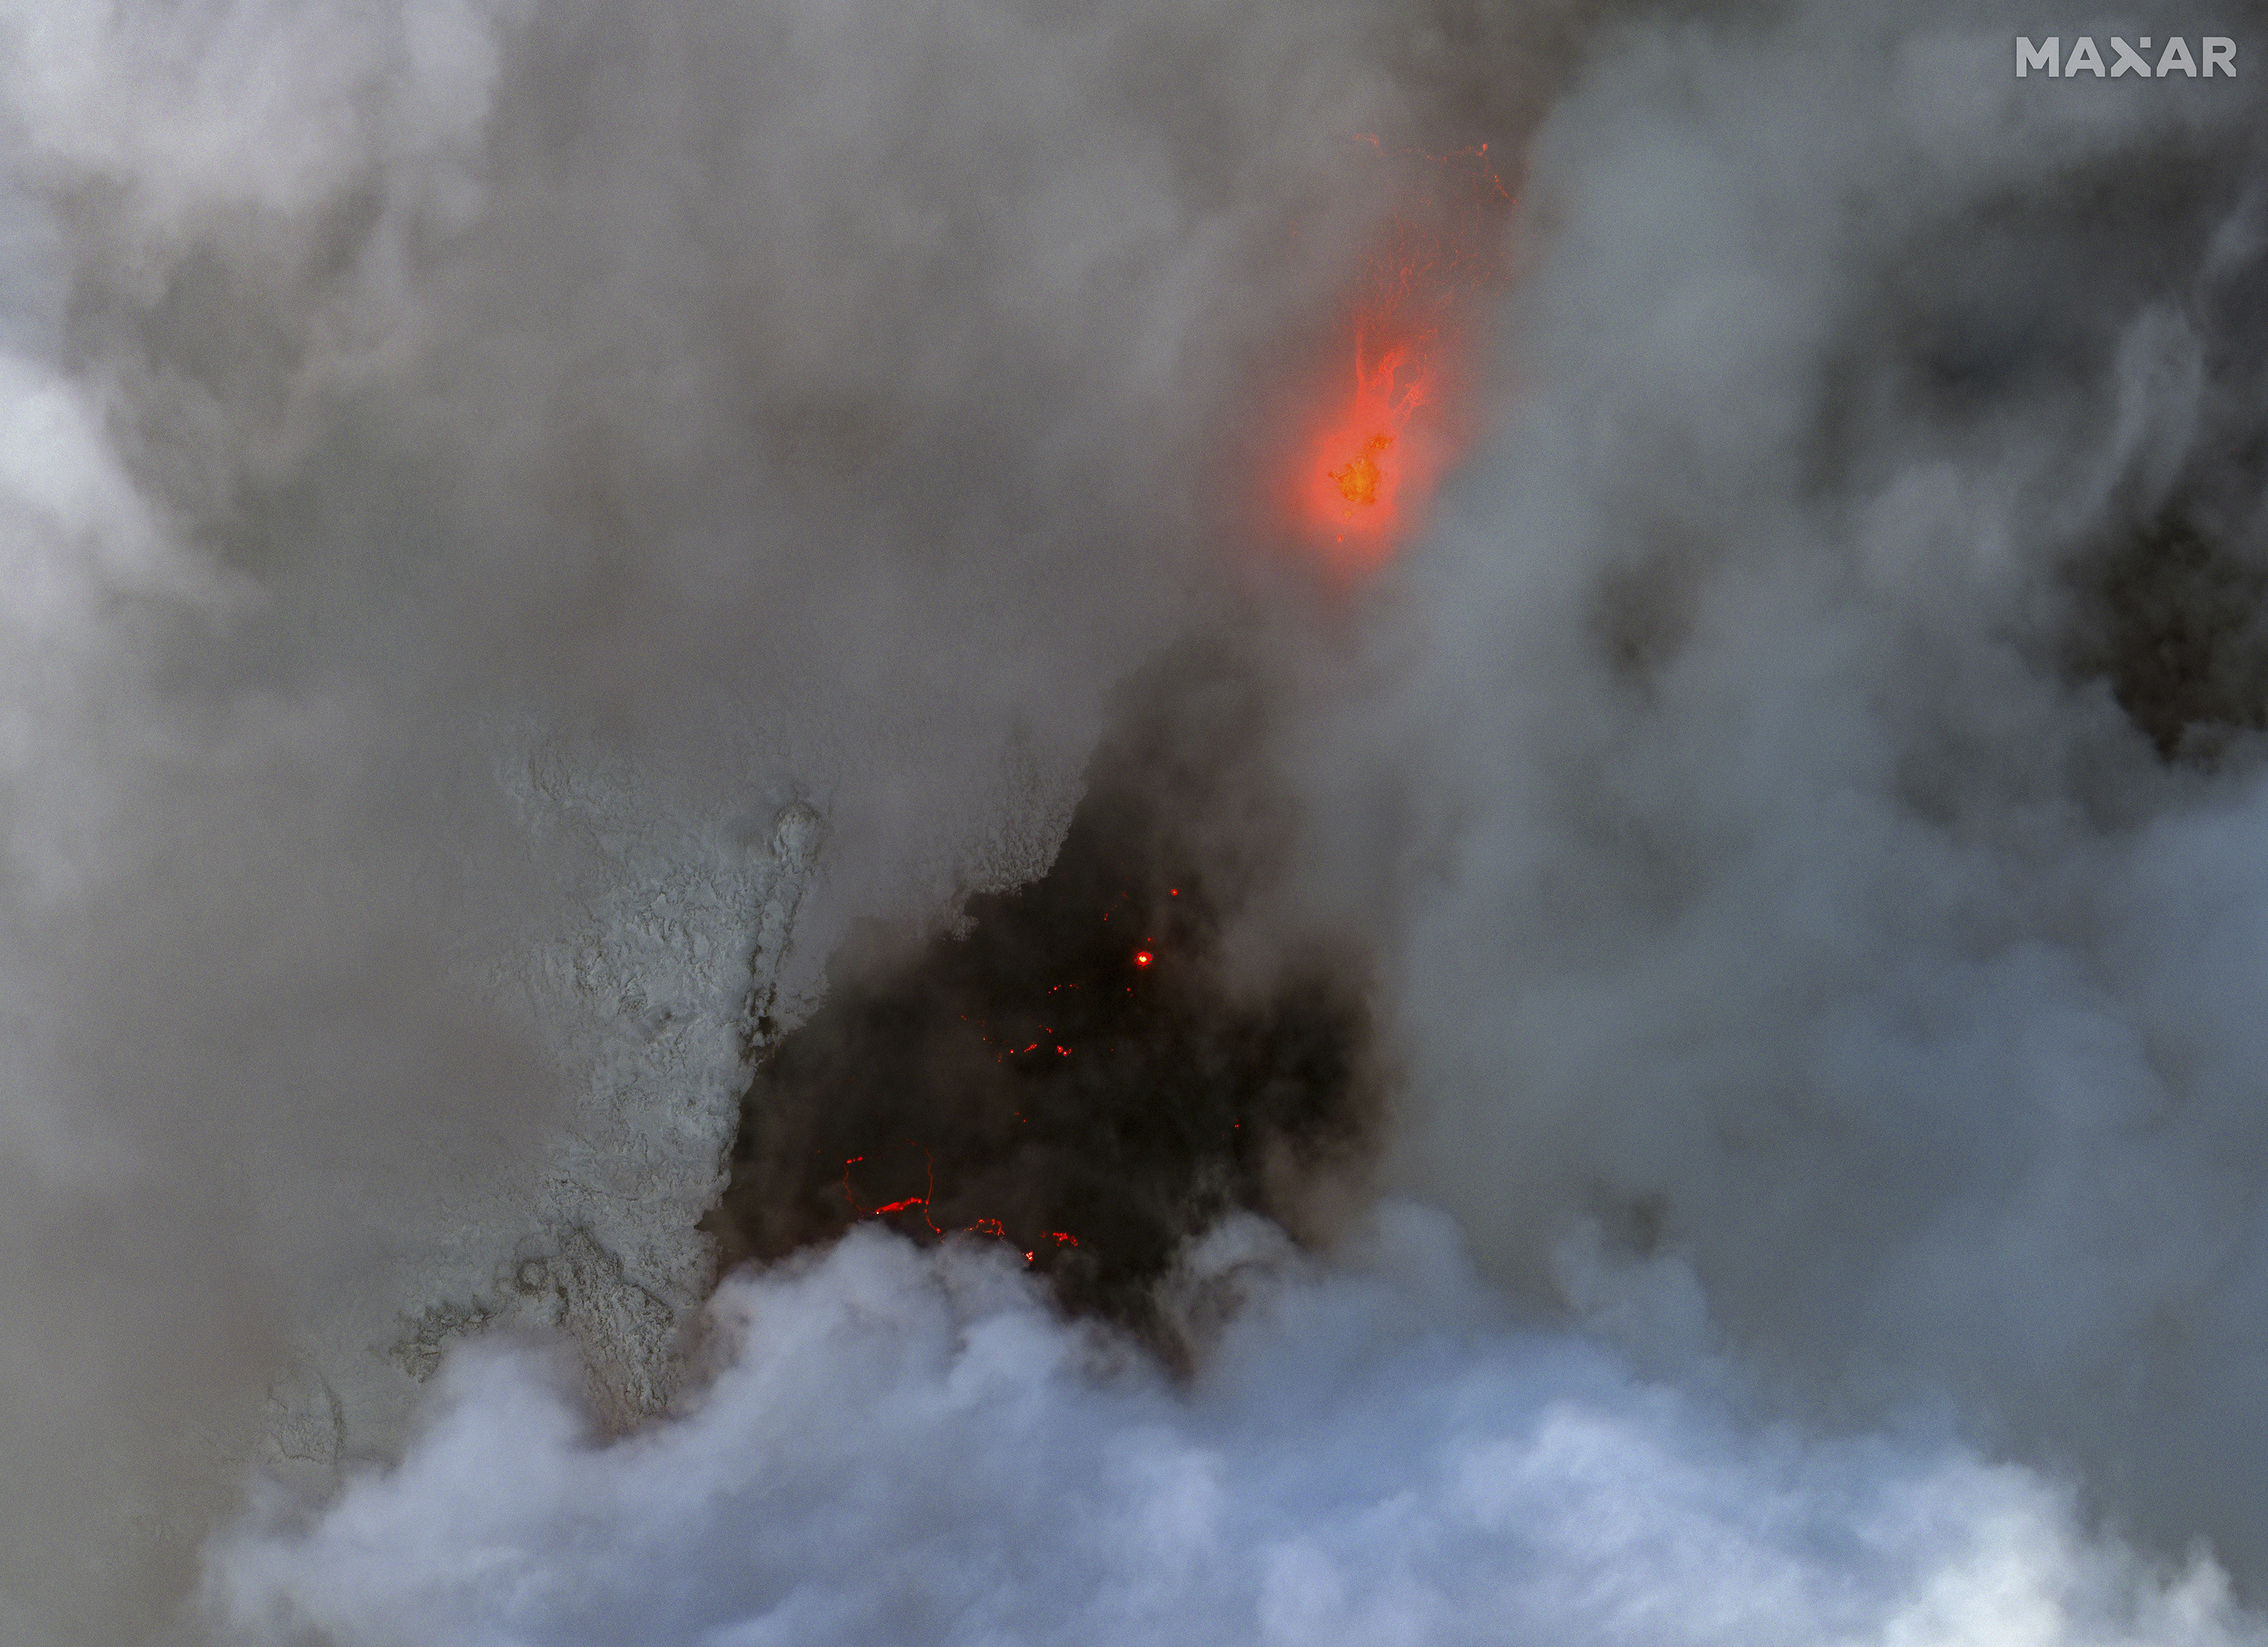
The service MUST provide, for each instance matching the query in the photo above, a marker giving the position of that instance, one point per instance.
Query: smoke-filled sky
(509, 503)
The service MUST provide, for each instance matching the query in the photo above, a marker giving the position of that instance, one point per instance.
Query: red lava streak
(991, 1227)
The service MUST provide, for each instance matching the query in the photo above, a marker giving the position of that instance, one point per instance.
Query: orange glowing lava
(1371, 458)
(1358, 481)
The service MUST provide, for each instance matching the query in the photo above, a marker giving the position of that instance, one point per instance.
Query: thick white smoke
(523, 521)
(910, 1449)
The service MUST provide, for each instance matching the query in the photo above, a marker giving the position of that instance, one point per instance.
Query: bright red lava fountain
(1371, 465)
(1371, 461)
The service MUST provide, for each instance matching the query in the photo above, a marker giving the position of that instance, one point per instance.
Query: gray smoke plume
(1817, 783)
(528, 522)
(492, 490)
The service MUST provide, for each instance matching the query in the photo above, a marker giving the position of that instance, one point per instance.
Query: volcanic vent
(1077, 1071)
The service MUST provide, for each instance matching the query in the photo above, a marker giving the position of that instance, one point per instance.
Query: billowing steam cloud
(528, 522)
(909, 1451)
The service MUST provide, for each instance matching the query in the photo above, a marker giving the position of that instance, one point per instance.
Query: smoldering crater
(1079, 1070)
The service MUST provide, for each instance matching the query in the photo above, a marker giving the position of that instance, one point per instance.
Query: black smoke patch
(2176, 620)
(1079, 1070)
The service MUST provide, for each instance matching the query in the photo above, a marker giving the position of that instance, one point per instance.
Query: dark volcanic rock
(1076, 1071)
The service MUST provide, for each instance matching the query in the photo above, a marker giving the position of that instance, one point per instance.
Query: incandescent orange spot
(1363, 459)
(1372, 454)
(1358, 481)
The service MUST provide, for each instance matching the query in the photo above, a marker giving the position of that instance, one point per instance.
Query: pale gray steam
(480, 472)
